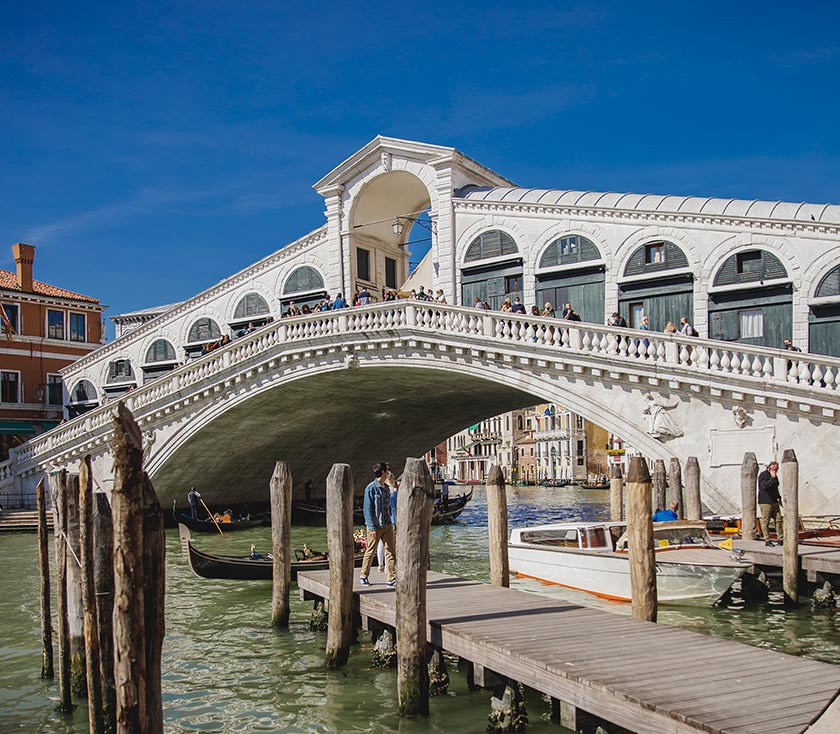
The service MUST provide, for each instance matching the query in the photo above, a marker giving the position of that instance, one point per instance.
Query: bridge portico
(392, 379)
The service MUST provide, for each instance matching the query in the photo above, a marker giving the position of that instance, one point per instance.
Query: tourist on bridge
(548, 310)
(377, 509)
(571, 314)
(670, 327)
(439, 297)
(686, 329)
(770, 502)
(617, 320)
(364, 297)
(518, 306)
(506, 306)
(339, 302)
(478, 303)
(193, 497)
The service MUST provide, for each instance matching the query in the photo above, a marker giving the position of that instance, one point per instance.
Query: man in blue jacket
(380, 526)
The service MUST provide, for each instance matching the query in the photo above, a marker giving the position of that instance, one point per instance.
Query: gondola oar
(216, 522)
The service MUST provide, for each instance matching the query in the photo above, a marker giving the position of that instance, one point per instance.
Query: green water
(224, 670)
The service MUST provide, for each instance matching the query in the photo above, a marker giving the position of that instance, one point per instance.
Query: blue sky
(151, 149)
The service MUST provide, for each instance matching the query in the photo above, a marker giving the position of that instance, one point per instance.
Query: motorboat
(593, 557)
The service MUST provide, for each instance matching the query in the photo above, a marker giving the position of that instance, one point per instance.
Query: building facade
(44, 329)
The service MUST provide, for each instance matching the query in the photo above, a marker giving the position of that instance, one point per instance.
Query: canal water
(224, 670)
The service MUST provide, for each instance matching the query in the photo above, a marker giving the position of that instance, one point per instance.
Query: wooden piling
(91, 631)
(129, 578)
(60, 530)
(789, 481)
(497, 527)
(47, 670)
(340, 552)
(414, 518)
(749, 484)
(281, 543)
(616, 493)
(675, 485)
(640, 540)
(103, 569)
(154, 586)
(660, 500)
(75, 612)
(691, 495)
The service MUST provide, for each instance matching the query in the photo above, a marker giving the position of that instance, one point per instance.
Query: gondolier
(193, 498)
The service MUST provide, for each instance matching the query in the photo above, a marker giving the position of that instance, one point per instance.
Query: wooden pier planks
(819, 559)
(643, 676)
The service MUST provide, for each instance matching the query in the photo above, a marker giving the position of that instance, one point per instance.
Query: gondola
(555, 482)
(244, 568)
(208, 526)
(454, 507)
(595, 485)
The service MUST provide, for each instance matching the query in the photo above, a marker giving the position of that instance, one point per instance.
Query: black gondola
(244, 568)
(594, 485)
(208, 526)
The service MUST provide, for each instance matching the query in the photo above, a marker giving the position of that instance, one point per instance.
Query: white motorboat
(593, 557)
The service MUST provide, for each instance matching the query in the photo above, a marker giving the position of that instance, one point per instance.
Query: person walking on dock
(194, 497)
(770, 502)
(377, 509)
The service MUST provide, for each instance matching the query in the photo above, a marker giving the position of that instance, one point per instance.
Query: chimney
(24, 257)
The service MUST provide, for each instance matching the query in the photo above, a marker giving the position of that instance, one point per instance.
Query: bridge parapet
(793, 382)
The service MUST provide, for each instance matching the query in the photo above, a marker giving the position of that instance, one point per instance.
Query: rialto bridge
(394, 378)
(390, 380)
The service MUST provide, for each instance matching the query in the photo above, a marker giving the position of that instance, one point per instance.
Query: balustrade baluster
(735, 363)
(660, 351)
(725, 360)
(793, 371)
(623, 346)
(586, 342)
(829, 379)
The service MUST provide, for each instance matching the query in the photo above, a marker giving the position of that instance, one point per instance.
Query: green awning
(474, 427)
(14, 428)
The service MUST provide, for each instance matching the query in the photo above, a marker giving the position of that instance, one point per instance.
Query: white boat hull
(607, 574)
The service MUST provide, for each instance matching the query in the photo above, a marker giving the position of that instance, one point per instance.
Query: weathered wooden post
(616, 493)
(91, 631)
(693, 501)
(640, 540)
(675, 485)
(133, 612)
(60, 531)
(281, 543)
(789, 479)
(103, 569)
(154, 586)
(749, 484)
(414, 518)
(660, 500)
(497, 527)
(75, 613)
(47, 670)
(340, 552)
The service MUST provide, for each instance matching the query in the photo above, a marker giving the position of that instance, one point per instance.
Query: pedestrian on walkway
(377, 509)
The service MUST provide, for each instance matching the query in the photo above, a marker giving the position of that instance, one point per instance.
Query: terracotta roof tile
(8, 281)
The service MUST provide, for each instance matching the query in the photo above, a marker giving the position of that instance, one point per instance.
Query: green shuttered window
(750, 266)
(569, 250)
(493, 243)
(654, 257)
(304, 279)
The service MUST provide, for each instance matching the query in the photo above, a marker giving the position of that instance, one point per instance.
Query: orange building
(44, 328)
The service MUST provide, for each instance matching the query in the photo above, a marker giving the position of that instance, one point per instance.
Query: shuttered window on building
(204, 330)
(492, 283)
(493, 243)
(824, 320)
(160, 351)
(303, 280)
(251, 305)
(654, 257)
(750, 266)
(830, 284)
(569, 250)
(120, 371)
(83, 392)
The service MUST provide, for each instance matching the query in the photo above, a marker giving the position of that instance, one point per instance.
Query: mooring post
(340, 553)
(103, 568)
(281, 543)
(154, 586)
(438, 674)
(640, 540)
(414, 518)
(91, 631)
(497, 527)
(129, 578)
(675, 485)
(660, 482)
(616, 493)
(75, 613)
(693, 501)
(789, 479)
(60, 531)
(47, 670)
(749, 483)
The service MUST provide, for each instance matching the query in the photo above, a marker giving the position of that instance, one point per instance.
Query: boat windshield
(665, 536)
(561, 537)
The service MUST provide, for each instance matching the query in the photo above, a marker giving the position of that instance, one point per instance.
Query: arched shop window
(493, 243)
(830, 284)
(203, 330)
(578, 278)
(252, 309)
(495, 281)
(160, 359)
(666, 298)
(824, 318)
(83, 398)
(120, 378)
(304, 286)
(749, 266)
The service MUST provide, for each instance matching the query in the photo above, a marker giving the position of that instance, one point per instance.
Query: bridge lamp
(398, 227)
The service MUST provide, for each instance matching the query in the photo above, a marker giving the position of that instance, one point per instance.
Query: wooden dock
(645, 677)
(815, 560)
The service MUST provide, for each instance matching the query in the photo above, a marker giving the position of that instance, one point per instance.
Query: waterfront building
(44, 329)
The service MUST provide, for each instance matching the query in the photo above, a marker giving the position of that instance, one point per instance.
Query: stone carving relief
(351, 361)
(386, 160)
(660, 424)
(739, 414)
(148, 441)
